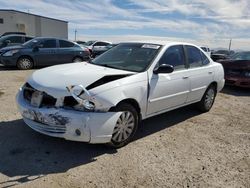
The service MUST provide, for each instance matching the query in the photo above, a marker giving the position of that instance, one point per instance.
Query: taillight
(87, 50)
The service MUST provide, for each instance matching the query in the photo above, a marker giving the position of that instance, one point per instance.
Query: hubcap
(209, 98)
(124, 127)
(25, 63)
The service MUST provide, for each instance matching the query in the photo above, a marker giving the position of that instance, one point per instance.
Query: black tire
(207, 100)
(77, 59)
(25, 63)
(125, 126)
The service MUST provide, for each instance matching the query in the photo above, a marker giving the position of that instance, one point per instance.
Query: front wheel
(207, 100)
(24, 63)
(126, 125)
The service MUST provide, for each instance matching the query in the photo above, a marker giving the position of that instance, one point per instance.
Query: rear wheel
(126, 125)
(207, 100)
(24, 63)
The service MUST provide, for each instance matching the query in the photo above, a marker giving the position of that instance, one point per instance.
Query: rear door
(169, 90)
(46, 53)
(201, 73)
(66, 51)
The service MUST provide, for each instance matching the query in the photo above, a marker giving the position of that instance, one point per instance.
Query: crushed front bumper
(92, 127)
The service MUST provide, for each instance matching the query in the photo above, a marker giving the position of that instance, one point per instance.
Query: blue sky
(204, 22)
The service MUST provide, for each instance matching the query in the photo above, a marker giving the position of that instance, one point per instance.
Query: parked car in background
(96, 47)
(237, 69)
(13, 33)
(103, 101)
(216, 57)
(207, 50)
(106, 48)
(12, 40)
(221, 54)
(80, 42)
(43, 51)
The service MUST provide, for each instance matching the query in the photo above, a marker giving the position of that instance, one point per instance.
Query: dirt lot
(182, 148)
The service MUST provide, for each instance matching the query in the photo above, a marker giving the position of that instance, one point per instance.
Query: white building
(31, 24)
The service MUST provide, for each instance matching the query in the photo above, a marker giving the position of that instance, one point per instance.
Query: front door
(170, 90)
(46, 53)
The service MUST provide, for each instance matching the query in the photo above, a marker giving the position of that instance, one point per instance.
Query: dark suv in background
(11, 40)
(43, 51)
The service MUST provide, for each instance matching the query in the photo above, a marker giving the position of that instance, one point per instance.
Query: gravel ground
(182, 148)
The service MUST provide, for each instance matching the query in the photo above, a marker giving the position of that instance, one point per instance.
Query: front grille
(69, 101)
(28, 90)
(47, 100)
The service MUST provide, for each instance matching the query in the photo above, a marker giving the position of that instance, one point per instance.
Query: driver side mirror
(164, 68)
(36, 48)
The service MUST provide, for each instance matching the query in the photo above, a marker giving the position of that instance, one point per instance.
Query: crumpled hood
(54, 80)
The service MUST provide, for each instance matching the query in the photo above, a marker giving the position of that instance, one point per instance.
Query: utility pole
(229, 48)
(75, 34)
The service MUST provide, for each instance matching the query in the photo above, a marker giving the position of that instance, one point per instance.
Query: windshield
(89, 43)
(2, 40)
(241, 56)
(134, 57)
(31, 43)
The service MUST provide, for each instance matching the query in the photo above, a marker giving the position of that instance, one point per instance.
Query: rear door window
(204, 58)
(194, 56)
(65, 44)
(50, 43)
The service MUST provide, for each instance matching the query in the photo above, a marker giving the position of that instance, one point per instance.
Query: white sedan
(103, 101)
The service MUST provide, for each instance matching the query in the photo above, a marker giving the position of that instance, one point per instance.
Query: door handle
(210, 72)
(185, 77)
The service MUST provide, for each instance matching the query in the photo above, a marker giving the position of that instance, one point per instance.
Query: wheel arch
(132, 102)
(215, 84)
(27, 56)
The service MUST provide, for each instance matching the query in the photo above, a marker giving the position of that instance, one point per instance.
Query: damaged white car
(103, 101)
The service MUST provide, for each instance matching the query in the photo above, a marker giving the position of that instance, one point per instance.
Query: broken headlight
(82, 96)
(10, 53)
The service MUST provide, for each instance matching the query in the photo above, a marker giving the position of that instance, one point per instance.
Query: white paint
(154, 93)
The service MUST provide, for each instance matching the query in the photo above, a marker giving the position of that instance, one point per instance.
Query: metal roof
(11, 10)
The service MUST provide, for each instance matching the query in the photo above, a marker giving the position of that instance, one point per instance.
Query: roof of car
(16, 35)
(162, 42)
(50, 38)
